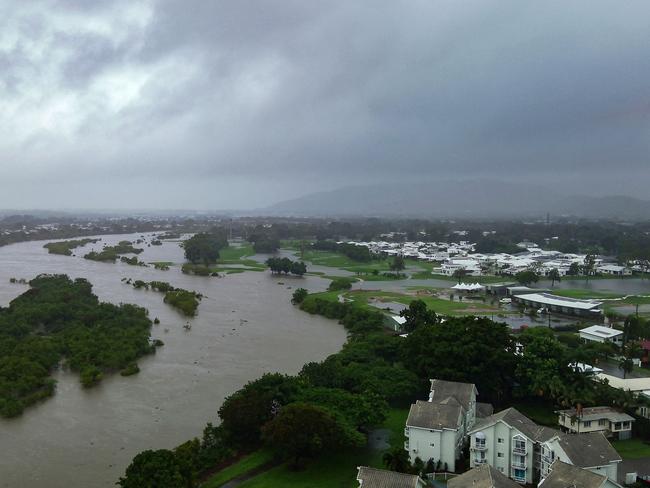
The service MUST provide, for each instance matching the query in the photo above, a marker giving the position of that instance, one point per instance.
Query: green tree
(574, 269)
(397, 459)
(554, 275)
(468, 349)
(459, 274)
(302, 431)
(588, 265)
(417, 314)
(527, 277)
(204, 248)
(154, 469)
(397, 264)
(299, 296)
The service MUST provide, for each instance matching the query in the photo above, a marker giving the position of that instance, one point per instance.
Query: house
(435, 429)
(509, 442)
(381, 478)
(563, 475)
(639, 386)
(601, 333)
(558, 304)
(596, 419)
(591, 451)
(484, 476)
(614, 270)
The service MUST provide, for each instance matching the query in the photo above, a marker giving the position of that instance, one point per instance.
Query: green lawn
(339, 469)
(632, 448)
(242, 466)
(439, 305)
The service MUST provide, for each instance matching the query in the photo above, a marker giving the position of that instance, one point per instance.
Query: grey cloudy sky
(236, 104)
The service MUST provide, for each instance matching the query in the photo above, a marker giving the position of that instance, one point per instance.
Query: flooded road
(246, 326)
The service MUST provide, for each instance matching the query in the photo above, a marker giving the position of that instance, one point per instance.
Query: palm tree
(459, 274)
(554, 274)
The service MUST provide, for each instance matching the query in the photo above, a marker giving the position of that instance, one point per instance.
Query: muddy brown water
(246, 326)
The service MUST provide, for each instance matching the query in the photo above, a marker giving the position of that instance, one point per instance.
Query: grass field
(632, 448)
(245, 464)
(439, 305)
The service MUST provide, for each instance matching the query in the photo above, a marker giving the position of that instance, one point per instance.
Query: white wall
(444, 448)
(493, 433)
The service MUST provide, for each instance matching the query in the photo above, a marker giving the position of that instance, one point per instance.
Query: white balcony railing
(519, 449)
(519, 464)
(479, 447)
(479, 461)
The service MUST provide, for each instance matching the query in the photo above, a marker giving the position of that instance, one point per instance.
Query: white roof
(398, 319)
(601, 331)
(548, 299)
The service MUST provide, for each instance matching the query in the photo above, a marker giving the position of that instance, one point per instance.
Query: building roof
(588, 450)
(519, 421)
(550, 299)
(442, 391)
(565, 475)
(381, 478)
(428, 415)
(596, 413)
(484, 476)
(601, 331)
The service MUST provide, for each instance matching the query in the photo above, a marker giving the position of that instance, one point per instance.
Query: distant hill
(457, 199)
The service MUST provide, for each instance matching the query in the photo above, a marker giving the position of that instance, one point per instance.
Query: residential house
(614, 270)
(484, 476)
(435, 429)
(509, 442)
(589, 451)
(563, 475)
(381, 478)
(601, 333)
(610, 422)
(558, 304)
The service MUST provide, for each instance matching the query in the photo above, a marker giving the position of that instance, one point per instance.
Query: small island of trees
(61, 319)
(286, 266)
(112, 253)
(65, 247)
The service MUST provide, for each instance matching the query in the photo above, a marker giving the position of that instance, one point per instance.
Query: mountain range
(458, 199)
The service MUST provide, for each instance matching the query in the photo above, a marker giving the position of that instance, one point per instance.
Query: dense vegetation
(204, 247)
(65, 247)
(184, 300)
(112, 253)
(286, 266)
(59, 318)
(352, 251)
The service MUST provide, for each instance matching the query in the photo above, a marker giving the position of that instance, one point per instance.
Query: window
(499, 454)
(500, 440)
(519, 445)
(432, 444)
(602, 422)
(500, 469)
(587, 423)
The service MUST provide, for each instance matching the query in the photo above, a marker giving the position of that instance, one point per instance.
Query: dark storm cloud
(255, 101)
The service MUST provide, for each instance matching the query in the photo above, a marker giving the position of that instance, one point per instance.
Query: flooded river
(246, 326)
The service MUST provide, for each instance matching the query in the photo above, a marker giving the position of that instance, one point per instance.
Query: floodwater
(246, 326)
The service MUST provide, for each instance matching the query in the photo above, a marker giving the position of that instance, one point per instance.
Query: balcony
(479, 447)
(480, 461)
(519, 464)
(406, 444)
(519, 450)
